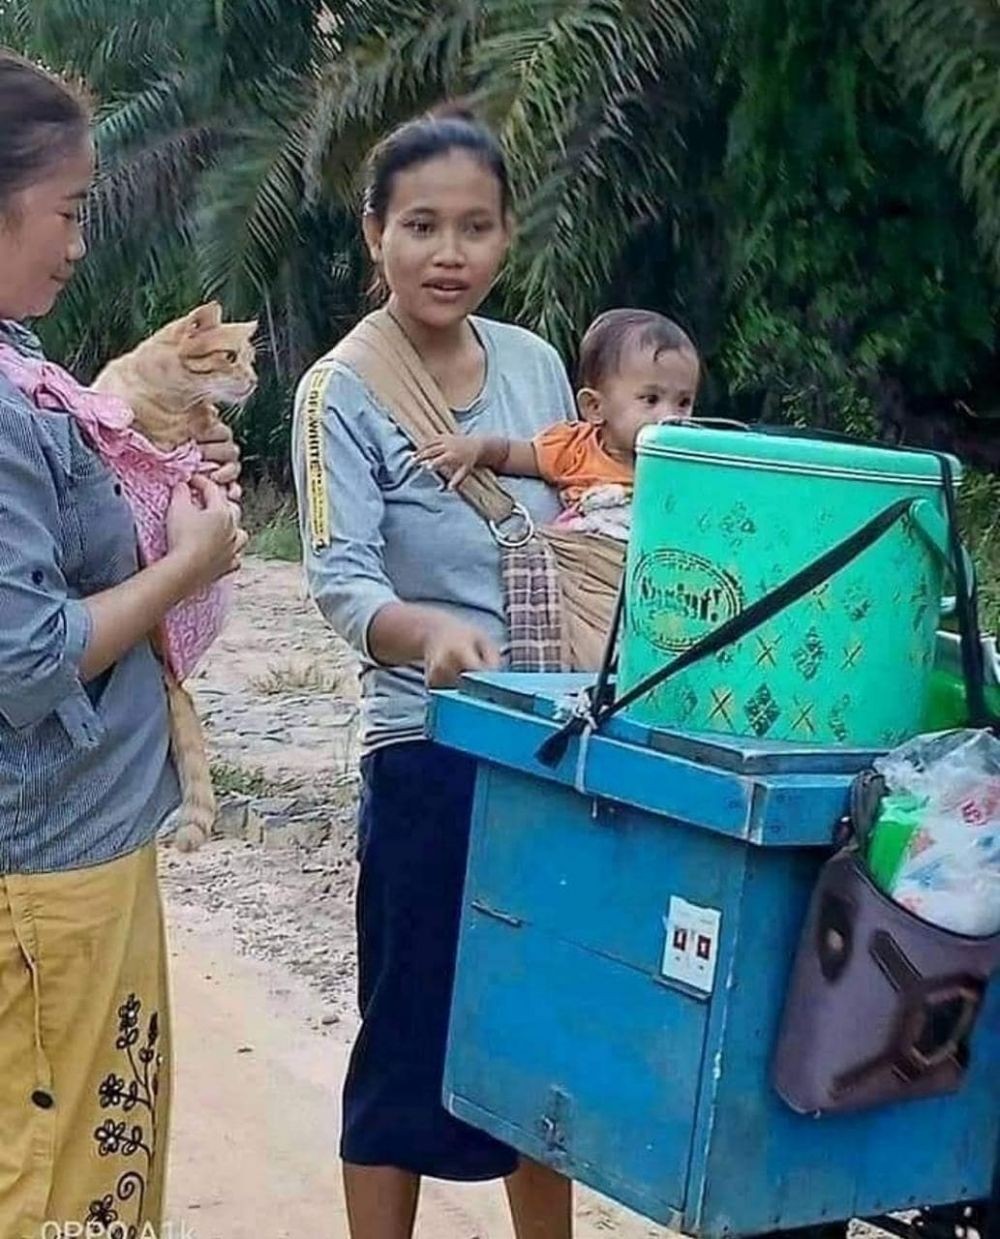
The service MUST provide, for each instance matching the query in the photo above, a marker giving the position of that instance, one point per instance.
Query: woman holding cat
(86, 777)
(410, 575)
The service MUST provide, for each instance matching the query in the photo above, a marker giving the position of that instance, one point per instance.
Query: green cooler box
(722, 517)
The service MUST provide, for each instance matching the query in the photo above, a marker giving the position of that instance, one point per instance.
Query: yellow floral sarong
(84, 1051)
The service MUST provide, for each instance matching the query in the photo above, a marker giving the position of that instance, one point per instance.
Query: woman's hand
(220, 449)
(453, 455)
(404, 633)
(451, 648)
(204, 542)
(203, 531)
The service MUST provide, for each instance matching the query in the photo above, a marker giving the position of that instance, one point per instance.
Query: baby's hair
(610, 334)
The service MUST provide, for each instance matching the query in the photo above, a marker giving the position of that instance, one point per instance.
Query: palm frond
(112, 45)
(154, 185)
(250, 217)
(159, 108)
(369, 87)
(582, 93)
(584, 214)
(539, 61)
(947, 56)
(261, 40)
(15, 24)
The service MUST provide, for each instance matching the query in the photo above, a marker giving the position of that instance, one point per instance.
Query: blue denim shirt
(85, 770)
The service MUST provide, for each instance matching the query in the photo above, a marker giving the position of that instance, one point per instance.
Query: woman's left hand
(220, 449)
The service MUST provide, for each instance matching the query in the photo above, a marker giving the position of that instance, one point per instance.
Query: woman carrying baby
(410, 574)
(86, 777)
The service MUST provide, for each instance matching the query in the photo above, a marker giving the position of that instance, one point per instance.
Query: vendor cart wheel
(827, 1230)
(965, 1220)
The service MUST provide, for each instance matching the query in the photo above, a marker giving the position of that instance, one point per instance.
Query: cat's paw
(189, 838)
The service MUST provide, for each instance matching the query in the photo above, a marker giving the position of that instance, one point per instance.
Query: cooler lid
(734, 448)
(764, 795)
(551, 695)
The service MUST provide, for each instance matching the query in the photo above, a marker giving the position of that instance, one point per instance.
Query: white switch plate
(692, 944)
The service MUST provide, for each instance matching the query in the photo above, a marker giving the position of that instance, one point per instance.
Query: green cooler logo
(677, 597)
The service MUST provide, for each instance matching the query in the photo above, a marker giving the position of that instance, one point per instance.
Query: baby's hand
(453, 455)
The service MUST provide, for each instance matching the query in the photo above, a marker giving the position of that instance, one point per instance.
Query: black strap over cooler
(928, 1055)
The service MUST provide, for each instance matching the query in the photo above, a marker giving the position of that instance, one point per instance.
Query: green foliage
(229, 779)
(586, 98)
(851, 260)
(947, 56)
(810, 185)
(270, 518)
(979, 515)
(279, 540)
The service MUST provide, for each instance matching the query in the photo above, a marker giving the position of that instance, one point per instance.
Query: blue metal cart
(629, 925)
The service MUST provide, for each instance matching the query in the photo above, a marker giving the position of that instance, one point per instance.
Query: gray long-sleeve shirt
(85, 771)
(395, 533)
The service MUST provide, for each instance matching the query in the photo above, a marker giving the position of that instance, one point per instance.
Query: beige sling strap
(560, 587)
(590, 570)
(380, 353)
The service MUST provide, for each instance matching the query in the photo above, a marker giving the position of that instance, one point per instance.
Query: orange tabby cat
(173, 382)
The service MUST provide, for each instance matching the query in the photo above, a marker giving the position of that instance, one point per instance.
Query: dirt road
(262, 937)
(257, 1100)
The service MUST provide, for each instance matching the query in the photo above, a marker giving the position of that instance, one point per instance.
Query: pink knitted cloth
(147, 476)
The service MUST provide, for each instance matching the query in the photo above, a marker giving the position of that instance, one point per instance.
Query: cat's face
(201, 358)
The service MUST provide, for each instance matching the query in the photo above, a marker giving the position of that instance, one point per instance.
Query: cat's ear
(206, 318)
(250, 328)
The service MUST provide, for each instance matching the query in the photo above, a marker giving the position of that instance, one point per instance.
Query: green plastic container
(900, 817)
(720, 518)
(946, 707)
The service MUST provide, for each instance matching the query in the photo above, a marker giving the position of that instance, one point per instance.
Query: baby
(637, 368)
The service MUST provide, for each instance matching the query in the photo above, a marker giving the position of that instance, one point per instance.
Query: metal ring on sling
(516, 541)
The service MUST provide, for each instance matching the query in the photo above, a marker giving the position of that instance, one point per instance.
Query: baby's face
(648, 388)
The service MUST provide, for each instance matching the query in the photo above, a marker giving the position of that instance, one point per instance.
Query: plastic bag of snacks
(935, 845)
